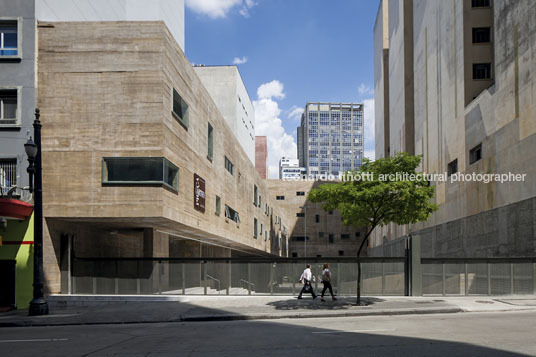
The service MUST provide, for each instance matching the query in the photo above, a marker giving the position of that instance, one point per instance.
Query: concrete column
(66, 254)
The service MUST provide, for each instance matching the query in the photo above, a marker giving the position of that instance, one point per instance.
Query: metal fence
(228, 276)
(478, 276)
(280, 276)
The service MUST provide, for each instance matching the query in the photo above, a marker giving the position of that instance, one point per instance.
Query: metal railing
(248, 285)
(259, 276)
(213, 279)
(478, 276)
(400, 276)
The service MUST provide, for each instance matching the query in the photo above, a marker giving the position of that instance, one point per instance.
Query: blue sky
(294, 51)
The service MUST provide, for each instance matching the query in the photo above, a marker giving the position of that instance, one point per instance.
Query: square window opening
(481, 70)
(452, 167)
(8, 106)
(475, 154)
(9, 38)
(481, 35)
(8, 173)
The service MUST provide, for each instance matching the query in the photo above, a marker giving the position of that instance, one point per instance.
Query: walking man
(306, 278)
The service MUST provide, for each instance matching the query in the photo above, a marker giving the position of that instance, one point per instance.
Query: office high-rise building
(330, 138)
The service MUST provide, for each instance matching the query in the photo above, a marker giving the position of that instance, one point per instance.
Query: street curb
(324, 315)
(234, 317)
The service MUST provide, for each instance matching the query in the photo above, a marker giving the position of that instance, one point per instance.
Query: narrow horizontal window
(299, 238)
(280, 198)
(300, 214)
(480, 3)
(481, 70)
(300, 193)
(232, 214)
(140, 171)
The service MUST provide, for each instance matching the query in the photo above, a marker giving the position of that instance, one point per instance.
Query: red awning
(11, 208)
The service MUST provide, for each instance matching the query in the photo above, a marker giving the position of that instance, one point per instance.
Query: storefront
(16, 254)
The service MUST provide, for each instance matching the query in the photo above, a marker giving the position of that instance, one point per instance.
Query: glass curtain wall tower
(330, 138)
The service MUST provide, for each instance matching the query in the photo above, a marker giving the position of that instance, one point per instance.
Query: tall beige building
(454, 82)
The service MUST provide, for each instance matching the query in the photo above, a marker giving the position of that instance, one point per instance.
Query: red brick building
(261, 155)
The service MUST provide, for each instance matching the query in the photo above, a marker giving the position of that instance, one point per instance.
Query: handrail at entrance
(216, 280)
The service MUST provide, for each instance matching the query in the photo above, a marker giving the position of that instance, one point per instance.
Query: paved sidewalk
(85, 310)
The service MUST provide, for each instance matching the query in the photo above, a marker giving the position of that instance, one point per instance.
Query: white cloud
(268, 123)
(273, 89)
(369, 128)
(219, 8)
(238, 60)
(295, 113)
(248, 4)
(364, 90)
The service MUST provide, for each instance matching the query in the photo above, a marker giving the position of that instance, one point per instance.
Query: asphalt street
(462, 334)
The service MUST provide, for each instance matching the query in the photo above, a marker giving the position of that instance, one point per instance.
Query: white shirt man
(306, 277)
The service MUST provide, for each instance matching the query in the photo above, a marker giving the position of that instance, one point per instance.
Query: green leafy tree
(375, 196)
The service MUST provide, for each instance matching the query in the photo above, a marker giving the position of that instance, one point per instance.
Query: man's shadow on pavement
(342, 303)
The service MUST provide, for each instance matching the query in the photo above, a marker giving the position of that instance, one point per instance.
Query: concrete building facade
(330, 138)
(17, 90)
(474, 112)
(228, 91)
(313, 232)
(130, 165)
(18, 64)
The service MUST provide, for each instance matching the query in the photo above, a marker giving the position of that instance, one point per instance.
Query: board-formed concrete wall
(501, 118)
(105, 89)
(319, 230)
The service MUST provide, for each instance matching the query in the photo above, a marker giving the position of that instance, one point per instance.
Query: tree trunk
(358, 302)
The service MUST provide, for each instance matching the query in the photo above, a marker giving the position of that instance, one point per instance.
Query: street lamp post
(305, 230)
(38, 305)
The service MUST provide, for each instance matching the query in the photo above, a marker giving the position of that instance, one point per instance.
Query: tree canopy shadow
(308, 303)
